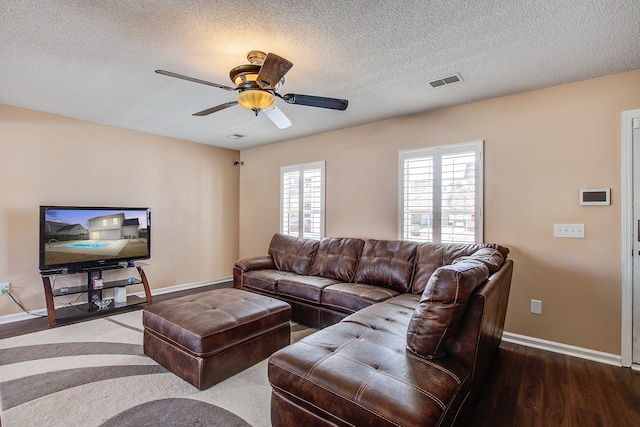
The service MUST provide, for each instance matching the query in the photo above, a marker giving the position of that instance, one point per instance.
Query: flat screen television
(77, 238)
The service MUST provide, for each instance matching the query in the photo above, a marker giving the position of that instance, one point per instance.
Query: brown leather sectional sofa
(410, 329)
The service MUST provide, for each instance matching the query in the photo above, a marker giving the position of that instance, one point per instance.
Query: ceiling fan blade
(278, 117)
(214, 109)
(191, 79)
(316, 101)
(272, 71)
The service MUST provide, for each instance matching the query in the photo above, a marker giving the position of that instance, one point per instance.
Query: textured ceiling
(95, 60)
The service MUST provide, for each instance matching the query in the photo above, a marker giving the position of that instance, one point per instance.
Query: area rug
(95, 373)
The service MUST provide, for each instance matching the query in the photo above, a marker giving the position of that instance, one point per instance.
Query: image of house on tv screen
(74, 236)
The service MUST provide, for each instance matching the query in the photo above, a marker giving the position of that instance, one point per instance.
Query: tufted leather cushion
(431, 256)
(436, 318)
(292, 254)
(490, 257)
(210, 322)
(387, 263)
(337, 258)
(359, 371)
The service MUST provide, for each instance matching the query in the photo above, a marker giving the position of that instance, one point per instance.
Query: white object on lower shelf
(120, 295)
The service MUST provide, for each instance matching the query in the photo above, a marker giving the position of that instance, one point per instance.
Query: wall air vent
(443, 81)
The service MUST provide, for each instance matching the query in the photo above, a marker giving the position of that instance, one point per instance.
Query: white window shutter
(440, 194)
(302, 200)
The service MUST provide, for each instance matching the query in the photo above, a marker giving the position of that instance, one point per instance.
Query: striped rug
(95, 374)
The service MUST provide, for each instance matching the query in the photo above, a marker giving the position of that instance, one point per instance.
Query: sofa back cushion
(490, 257)
(387, 263)
(292, 254)
(431, 256)
(337, 258)
(436, 319)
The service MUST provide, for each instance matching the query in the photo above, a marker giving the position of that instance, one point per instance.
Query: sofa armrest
(250, 264)
(256, 263)
(480, 331)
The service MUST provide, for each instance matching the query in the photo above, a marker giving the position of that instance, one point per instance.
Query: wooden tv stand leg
(145, 284)
(48, 296)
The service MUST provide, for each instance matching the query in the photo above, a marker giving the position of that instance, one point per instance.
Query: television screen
(77, 237)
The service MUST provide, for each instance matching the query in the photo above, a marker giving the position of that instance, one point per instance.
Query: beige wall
(192, 189)
(540, 148)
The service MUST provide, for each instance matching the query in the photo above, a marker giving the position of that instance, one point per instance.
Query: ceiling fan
(257, 83)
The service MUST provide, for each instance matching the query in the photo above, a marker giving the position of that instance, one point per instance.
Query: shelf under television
(58, 292)
(74, 312)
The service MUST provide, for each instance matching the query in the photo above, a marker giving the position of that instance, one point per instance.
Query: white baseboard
(10, 318)
(185, 286)
(566, 349)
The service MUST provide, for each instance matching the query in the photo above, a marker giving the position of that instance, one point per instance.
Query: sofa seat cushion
(306, 288)
(359, 369)
(351, 297)
(387, 263)
(292, 253)
(337, 258)
(442, 305)
(265, 280)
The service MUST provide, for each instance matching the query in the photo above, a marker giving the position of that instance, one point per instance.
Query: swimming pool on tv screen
(96, 245)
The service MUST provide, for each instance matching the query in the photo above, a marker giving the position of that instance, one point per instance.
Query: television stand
(94, 295)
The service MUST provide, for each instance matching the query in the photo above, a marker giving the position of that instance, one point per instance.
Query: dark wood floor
(526, 387)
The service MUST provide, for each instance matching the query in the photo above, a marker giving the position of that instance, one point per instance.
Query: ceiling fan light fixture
(256, 100)
(257, 84)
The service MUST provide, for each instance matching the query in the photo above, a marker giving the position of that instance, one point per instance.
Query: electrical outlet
(5, 288)
(572, 231)
(536, 306)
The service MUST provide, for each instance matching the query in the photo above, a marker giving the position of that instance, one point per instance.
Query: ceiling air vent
(443, 81)
(235, 136)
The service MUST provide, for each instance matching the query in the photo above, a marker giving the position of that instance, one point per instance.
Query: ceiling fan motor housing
(244, 76)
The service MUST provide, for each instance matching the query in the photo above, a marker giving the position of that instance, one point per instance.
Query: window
(441, 194)
(302, 200)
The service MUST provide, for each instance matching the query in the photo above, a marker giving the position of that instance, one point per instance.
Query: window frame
(436, 152)
(302, 168)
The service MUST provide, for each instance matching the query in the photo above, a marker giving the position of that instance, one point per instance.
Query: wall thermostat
(598, 197)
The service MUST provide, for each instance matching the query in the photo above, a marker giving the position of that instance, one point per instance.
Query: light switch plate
(536, 306)
(571, 231)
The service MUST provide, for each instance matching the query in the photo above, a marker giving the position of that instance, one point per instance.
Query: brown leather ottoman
(208, 337)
